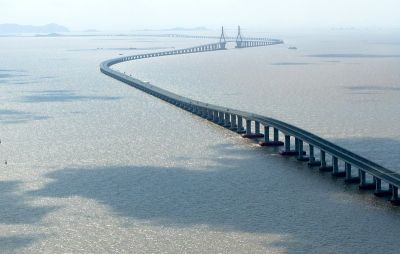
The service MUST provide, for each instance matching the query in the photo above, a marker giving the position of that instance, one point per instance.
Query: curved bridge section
(367, 174)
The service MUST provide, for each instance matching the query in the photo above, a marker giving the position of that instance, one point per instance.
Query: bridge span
(357, 169)
(241, 41)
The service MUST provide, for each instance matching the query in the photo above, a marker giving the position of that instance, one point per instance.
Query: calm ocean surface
(95, 166)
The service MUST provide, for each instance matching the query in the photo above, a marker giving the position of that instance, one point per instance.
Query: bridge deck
(372, 168)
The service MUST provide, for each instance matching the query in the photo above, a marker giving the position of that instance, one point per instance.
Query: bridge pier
(221, 118)
(287, 151)
(287, 144)
(267, 141)
(312, 161)
(301, 152)
(256, 133)
(203, 113)
(335, 165)
(197, 110)
(276, 135)
(395, 196)
(379, 192)
(215, 116)
(349, 178)
(240, 128)
(364, 185)
(211, 115)
(257, 128)
(193, 109)
(324, 167)
(227, 120)
(233, 123)
(206, 114)
(248, 129)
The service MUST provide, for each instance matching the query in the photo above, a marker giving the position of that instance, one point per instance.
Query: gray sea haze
(95, 166)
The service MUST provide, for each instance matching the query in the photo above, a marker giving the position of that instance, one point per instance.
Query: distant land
(18, 29)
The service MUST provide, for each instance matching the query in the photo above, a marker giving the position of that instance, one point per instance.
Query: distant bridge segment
(357, 169)
(241, 42)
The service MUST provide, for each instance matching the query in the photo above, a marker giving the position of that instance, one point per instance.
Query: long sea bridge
(357, 169)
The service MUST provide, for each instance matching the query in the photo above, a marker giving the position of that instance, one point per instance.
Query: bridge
(357, 169)
(254, 41)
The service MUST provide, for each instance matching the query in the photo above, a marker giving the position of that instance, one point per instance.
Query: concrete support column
(378, 184)
(203, 112)
(322, 158)
(233, 122)
(248, 127)
(296, 145)
(257, 127)
(227, 120)
(215, 116)
(335, 165)
(221, 118)
(300, 149)
(266, 134)
(312, 161)
(210, 114)
(276, 135)
(300, 154)
(311, 153)
(347, 168)
(364, 185)
(363, 179)
(240, 124)
(378, 188)
(287, 143)
(395, 196)
(199, 111)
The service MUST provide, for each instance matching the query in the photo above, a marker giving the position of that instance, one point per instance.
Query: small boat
(292, 47)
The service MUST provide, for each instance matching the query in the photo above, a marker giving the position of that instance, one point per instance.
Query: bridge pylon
(239, 39)
(222, 40)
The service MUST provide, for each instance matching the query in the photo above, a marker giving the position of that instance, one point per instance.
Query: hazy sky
(139, 14)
